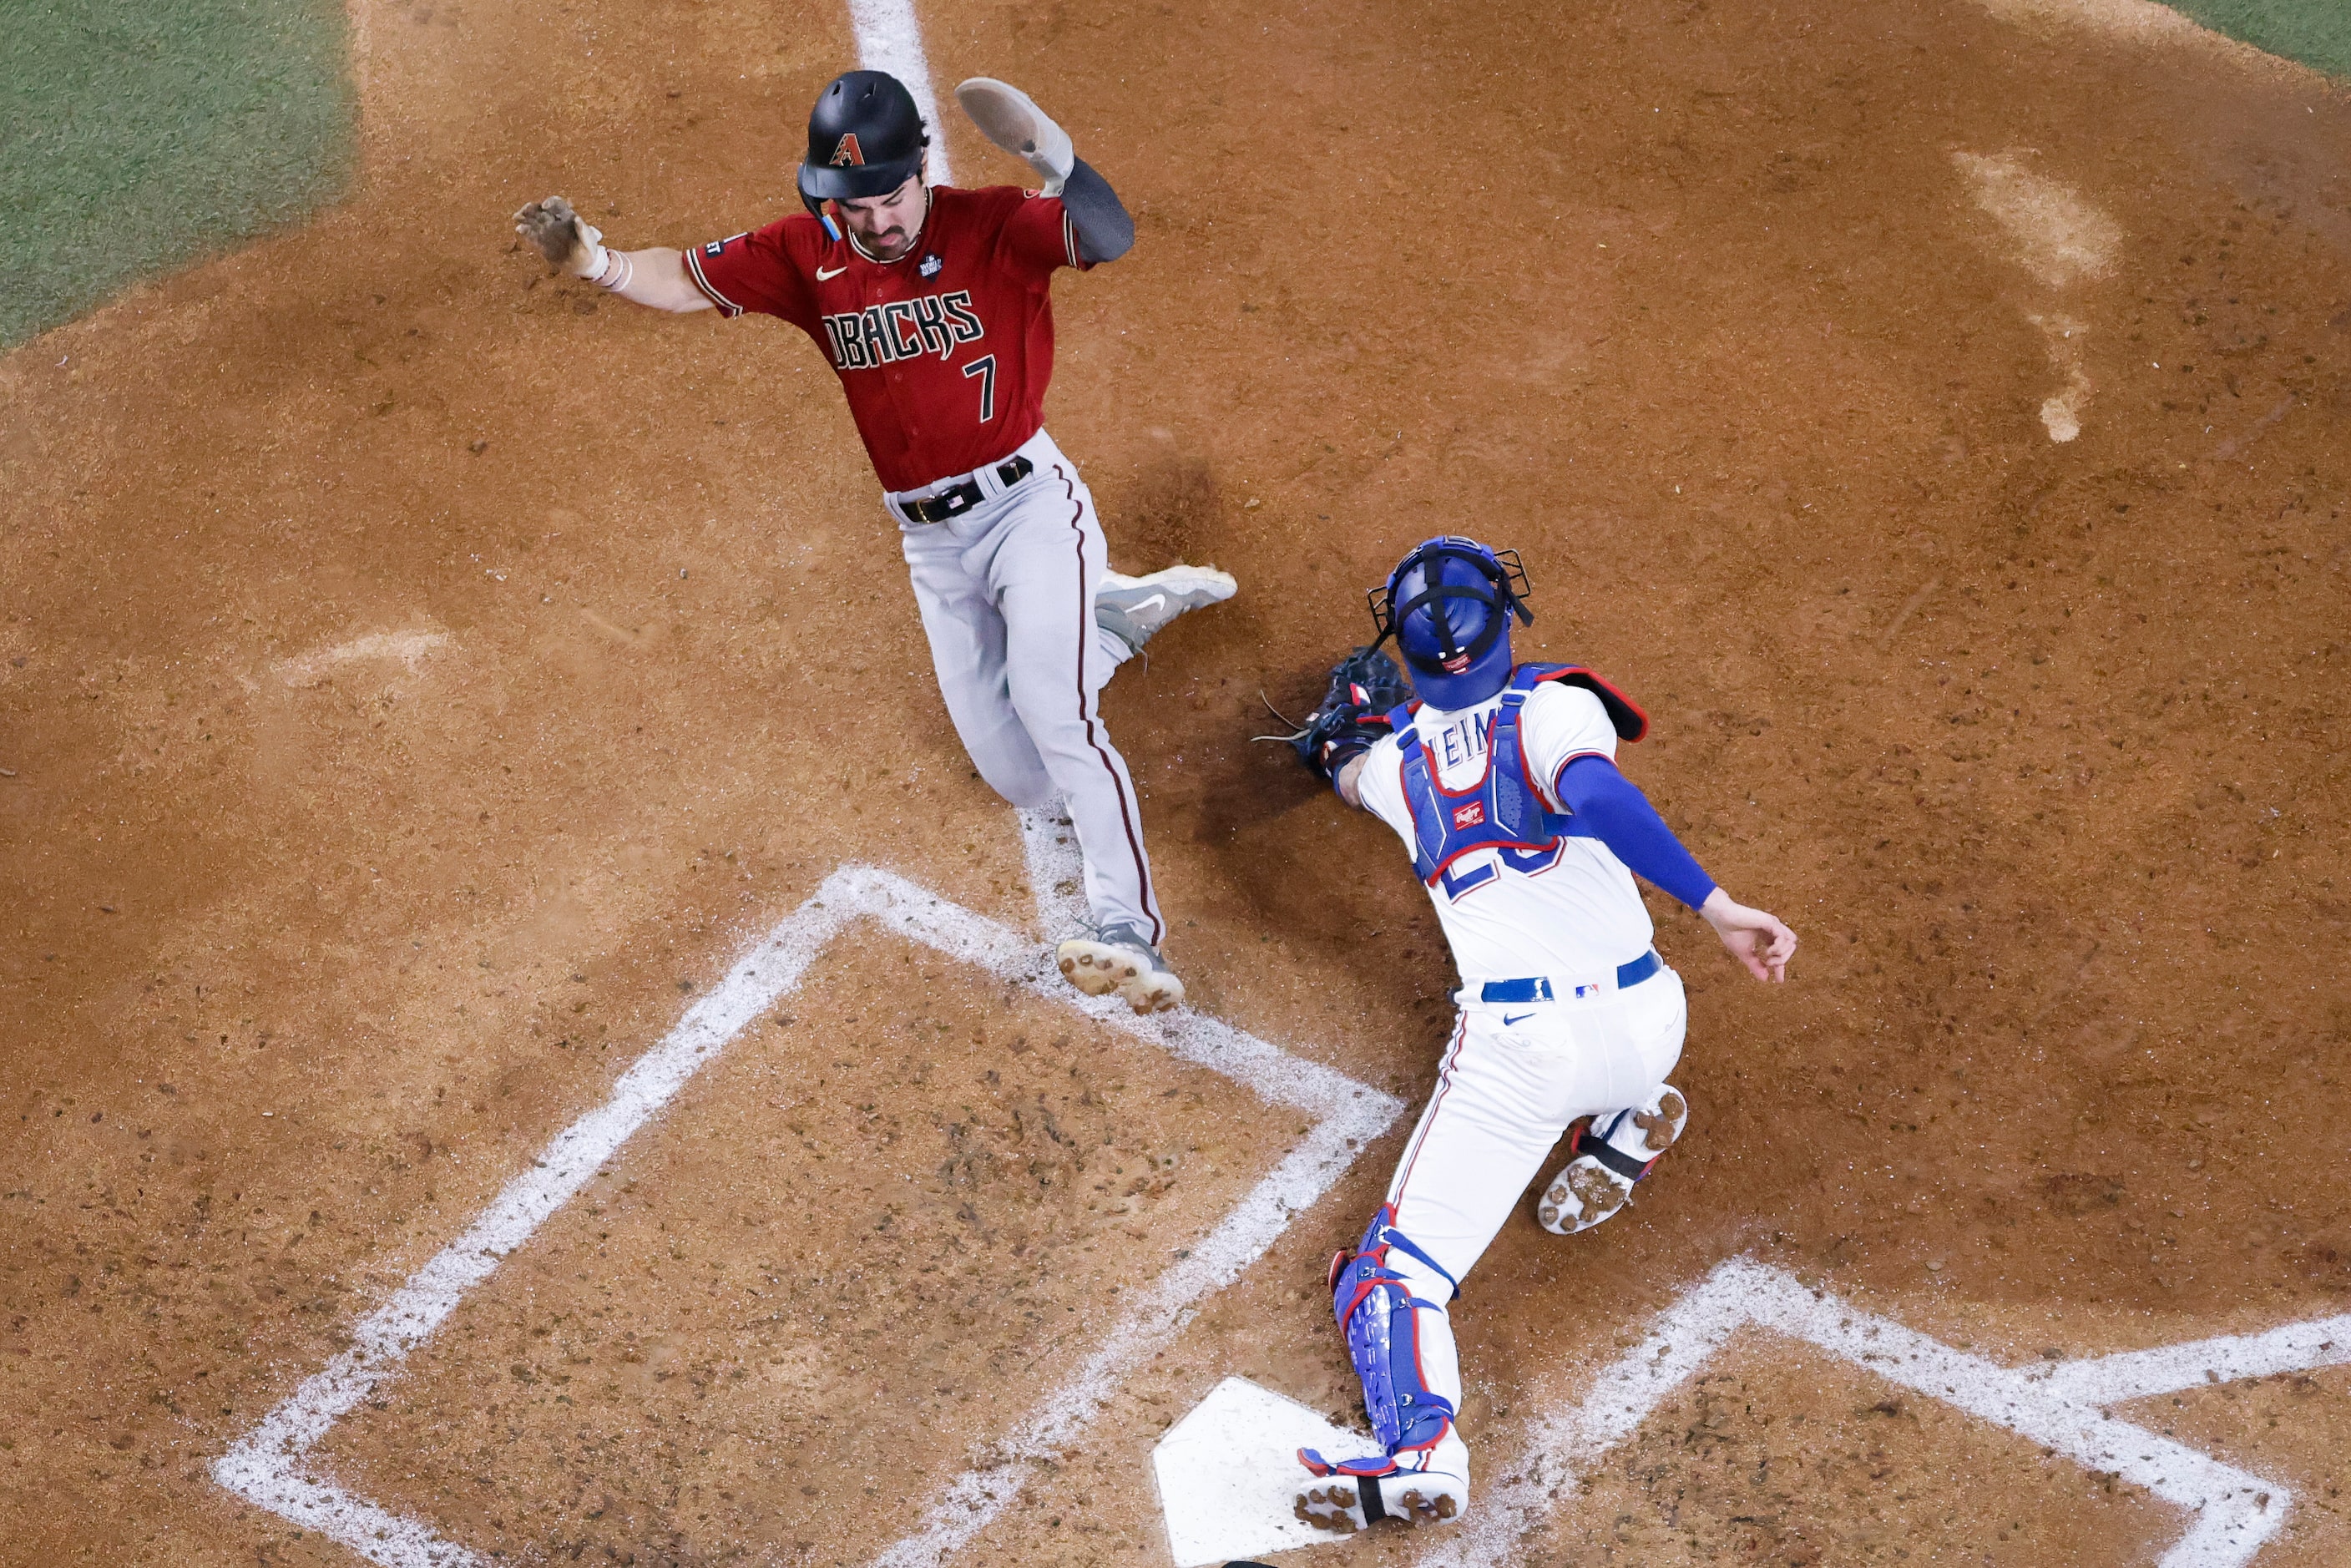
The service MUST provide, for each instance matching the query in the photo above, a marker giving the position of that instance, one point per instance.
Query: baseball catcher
(931, 303)
(1501, 780)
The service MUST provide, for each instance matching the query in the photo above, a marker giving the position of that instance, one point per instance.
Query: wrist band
(618, 271)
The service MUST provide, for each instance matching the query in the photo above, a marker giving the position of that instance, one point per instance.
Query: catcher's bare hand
(1755, 937)
(562, 235)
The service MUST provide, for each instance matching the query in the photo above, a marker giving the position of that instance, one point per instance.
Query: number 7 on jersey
(984, 368)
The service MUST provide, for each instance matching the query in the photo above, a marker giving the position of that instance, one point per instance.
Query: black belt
(953, 503)
(1537, 989)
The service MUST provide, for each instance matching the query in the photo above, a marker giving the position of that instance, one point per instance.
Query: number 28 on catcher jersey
(1518, 888)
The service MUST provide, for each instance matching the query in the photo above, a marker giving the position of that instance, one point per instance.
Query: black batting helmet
(866, 139)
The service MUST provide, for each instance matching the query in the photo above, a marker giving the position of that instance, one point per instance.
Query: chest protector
(1504, 809)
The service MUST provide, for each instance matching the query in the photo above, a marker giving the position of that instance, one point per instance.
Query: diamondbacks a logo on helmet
(848, 155)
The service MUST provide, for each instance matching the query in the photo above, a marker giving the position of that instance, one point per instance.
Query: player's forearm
(1621, 817)
(656, 278)
(1349, 782)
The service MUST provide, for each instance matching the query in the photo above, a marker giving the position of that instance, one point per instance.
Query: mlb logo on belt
(1587, 990)
(846, 154)
(1470, 816)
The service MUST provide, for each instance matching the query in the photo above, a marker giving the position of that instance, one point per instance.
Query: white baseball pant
(1007, 595)
(1504, 1095)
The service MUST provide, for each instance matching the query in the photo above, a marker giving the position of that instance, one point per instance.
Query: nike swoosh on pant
(1508, 1020)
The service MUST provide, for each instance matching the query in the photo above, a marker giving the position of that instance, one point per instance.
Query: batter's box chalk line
(2061, 1405)
(270, 1466)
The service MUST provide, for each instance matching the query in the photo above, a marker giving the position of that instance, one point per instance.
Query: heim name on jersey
(1569, 910)
(902, 329)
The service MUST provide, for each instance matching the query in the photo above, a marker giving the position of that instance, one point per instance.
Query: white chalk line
(409, 648)
(2109, 1380)
(2060, 410)
(2062, 240)
(2059, 237)
(2056, 1405)
(265, 1465)
(890, 39)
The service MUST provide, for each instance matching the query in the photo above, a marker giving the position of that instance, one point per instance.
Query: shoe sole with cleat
(1587, 1192)
(1338, 1506)
(1098, 969)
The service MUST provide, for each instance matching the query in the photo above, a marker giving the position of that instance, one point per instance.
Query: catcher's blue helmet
(1448, 604)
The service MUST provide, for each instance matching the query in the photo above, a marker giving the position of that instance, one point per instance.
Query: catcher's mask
(1449, 605)
(866, 139)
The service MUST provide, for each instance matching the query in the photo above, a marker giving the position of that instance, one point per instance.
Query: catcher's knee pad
(1381, 1319)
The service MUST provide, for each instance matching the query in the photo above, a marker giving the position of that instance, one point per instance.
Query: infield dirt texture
(419, 677)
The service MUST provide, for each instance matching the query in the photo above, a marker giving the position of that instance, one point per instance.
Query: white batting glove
(1011, 119)
(563, 236)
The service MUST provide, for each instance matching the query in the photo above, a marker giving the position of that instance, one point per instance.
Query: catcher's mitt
(1353, 716)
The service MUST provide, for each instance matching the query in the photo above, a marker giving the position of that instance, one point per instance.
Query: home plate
(1229, 1478)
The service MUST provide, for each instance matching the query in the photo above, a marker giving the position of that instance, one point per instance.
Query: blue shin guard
(1381, 1319)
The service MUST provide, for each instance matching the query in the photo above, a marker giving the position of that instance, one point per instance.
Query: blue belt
(1537, 989)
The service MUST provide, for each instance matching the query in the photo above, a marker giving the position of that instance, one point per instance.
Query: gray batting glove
(1011, 119)
(563, 236)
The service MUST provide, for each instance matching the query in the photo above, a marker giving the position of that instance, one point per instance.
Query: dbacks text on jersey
(902, 330)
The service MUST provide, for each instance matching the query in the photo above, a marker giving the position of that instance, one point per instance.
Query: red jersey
(945, 352)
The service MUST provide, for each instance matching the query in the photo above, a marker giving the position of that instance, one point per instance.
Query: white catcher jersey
(1570, 911)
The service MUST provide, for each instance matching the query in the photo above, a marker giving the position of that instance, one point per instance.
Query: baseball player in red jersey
(933, 305)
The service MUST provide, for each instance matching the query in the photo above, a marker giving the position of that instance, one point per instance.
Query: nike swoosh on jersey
(1508, 1020)
(824, 277)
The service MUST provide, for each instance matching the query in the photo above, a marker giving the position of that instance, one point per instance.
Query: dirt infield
(711, 1367)
(420, 678)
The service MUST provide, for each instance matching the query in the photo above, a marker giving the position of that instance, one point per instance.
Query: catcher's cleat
(1116, 958)
(1428, 1485)
(1135, 608)
(1610, 1155)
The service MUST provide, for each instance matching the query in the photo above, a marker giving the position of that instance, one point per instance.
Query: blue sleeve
(1614, 811)
(1105, 231)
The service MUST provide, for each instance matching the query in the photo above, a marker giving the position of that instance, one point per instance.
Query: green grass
(2316, 32)
(138, 135)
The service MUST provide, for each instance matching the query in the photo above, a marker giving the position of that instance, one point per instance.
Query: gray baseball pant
(1007, 595)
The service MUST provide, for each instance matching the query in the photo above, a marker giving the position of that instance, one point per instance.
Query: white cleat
(1611, 1154)
(1135, 608)
(1117, 958)
(1435, 1493)
(1011, 119)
